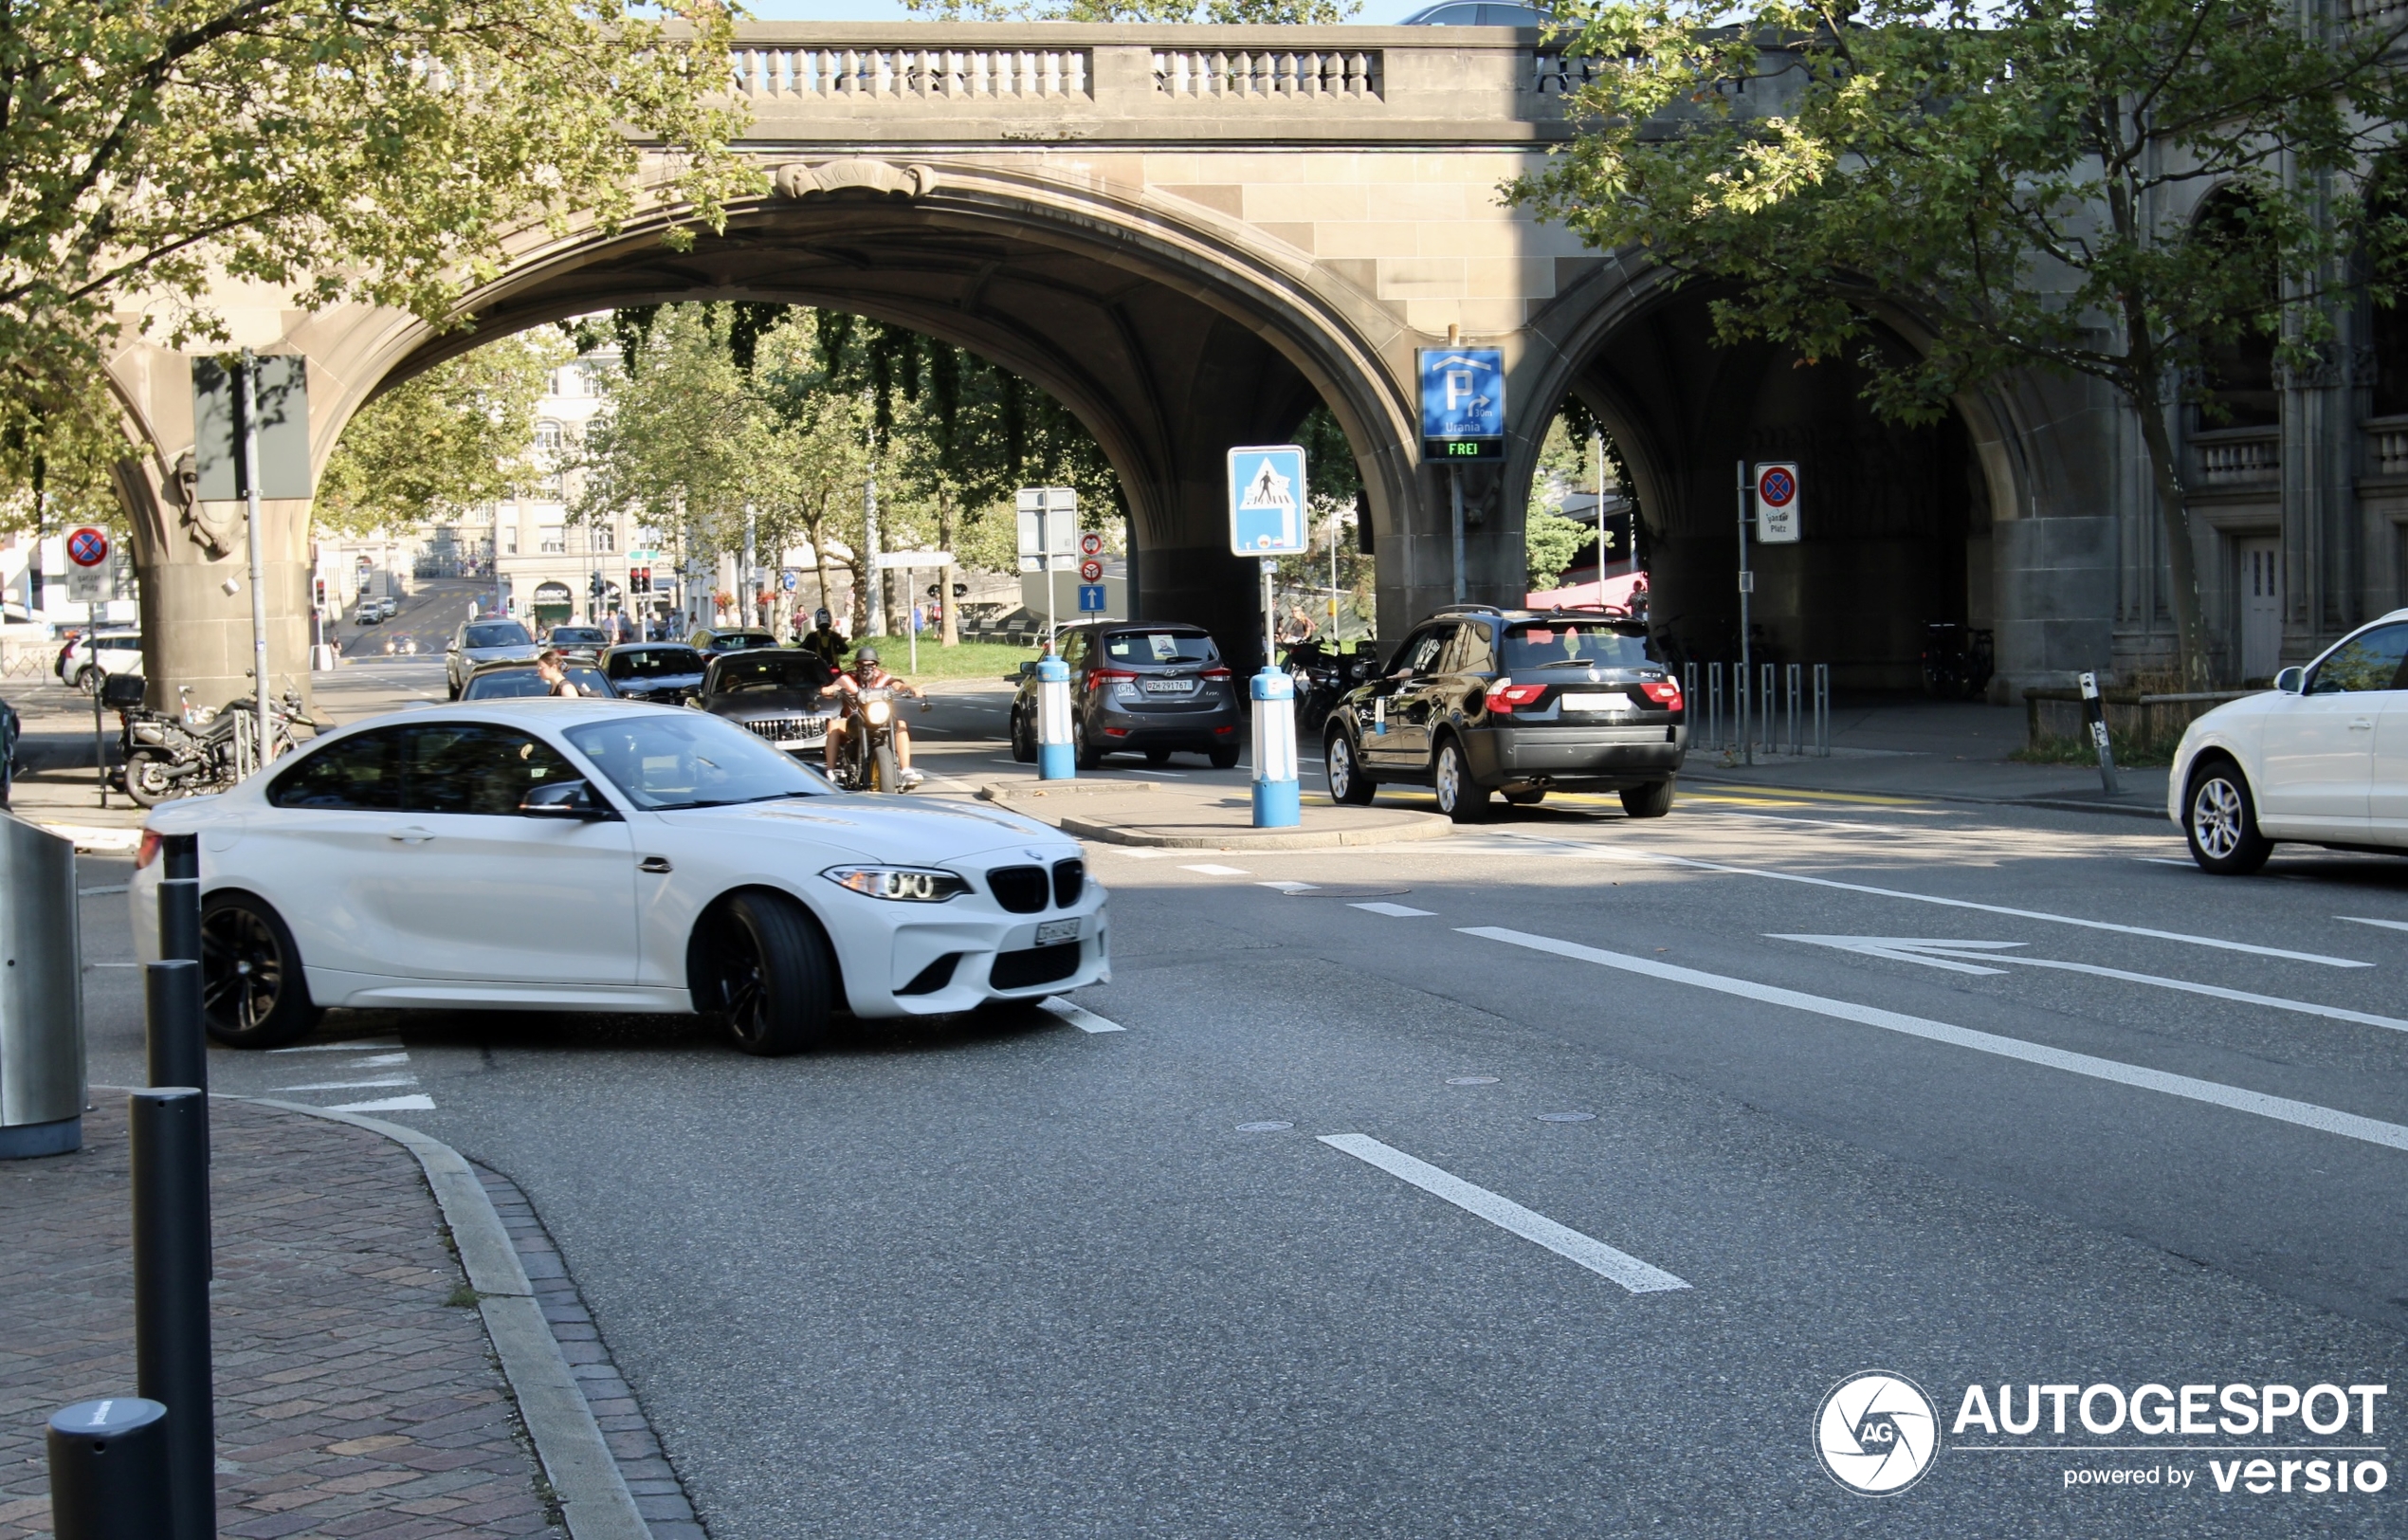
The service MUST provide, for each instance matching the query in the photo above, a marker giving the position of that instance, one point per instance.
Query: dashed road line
(334, 1048)
(2281, 1109)
(385, 1083)
(1211, 870)
(1292, 887)
(2360, 920)
(1394, 911)
(389, 1104)
(1079, 1016)
(1638, 1276)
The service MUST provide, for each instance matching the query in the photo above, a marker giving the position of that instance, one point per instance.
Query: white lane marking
(1211, 870)
(96, 893)
(1291, 887)
(354, 1085)
(1933, 954)
(1987, 909)
(2360, 920)
(1132, 852)
(1086, 1021)
(1394, 911)
(115, 965)
(2164, 860)
(391, 1104)
(334, 1048)
(380, 1061)
(2281, 1109)
(1638, 1276)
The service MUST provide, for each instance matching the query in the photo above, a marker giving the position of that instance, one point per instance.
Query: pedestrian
(555, 677)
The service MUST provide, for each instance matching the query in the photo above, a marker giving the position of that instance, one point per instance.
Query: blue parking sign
(1090, 599)
(1267, 501)
(1463, 403)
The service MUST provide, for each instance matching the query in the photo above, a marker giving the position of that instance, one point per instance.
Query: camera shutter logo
(1877, 1433)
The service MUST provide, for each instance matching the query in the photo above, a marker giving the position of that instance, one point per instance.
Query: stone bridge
(1191, 235)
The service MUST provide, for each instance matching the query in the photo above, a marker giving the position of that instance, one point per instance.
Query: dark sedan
(508, 680)
(585, 642)
(665, 674)
(780, 693)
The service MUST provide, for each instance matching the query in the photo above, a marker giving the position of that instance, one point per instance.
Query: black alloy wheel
(1086, 755)
(253, 992)
(1224, 759)
(1348, 785)
(1652, 800)
(2219, 820)
(770, 974)
(1460, 797)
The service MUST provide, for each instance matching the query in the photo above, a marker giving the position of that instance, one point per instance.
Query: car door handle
(411, 835)
(659, 864)
(2362, 724)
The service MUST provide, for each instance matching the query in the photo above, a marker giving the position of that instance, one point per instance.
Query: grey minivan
(1139, 688)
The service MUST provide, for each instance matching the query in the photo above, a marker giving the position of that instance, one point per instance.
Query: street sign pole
(1746, 587)
(1454, 486)
(259, 577)
(1266, 520)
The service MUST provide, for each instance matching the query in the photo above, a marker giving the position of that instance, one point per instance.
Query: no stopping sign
(1776, 502)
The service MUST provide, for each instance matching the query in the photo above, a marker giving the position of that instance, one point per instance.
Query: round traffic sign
(1090, 544)
(1091, 572)
(88, 547)
(1777, 487)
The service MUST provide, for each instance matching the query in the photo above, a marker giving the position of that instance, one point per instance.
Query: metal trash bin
(41, 994)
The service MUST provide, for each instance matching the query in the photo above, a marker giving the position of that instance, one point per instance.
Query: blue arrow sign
(1090, 599)
(1267, 501)
(1463, 403)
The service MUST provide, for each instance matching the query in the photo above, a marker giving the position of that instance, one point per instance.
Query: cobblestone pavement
(354, 1399)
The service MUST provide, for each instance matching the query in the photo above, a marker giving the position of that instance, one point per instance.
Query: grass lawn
(963, 660)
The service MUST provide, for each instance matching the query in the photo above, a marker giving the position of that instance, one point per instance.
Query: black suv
(1141, 687)
(1515, 701)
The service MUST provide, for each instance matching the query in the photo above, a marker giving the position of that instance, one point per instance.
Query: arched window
(2237, 385)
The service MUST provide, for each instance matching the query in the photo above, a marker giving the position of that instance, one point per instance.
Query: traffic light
(594, 585)
(639, 579)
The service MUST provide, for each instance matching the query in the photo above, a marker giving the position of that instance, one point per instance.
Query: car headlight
(911, 885)
(878, 711)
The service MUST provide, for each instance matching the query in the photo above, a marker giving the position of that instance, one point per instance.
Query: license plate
(1057, 930)
(1168, 686)
(1616, 702)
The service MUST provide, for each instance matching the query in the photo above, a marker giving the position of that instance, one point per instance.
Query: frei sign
(1777, 519)
(1267, 501)
(1463, 403)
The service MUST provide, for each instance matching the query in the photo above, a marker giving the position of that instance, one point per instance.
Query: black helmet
(867, 654)
(820, 618)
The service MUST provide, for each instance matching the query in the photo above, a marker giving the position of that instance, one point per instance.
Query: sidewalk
(1945, 750)
(356, 1389)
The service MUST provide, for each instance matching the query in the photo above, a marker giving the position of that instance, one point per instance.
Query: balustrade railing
(1265, 74)
(2257, 456)
(1559, 74)
(2386, 446)
(1011, 74)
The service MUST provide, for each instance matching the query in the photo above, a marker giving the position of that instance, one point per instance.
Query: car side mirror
(2291, 681)
(563, 799)
(122, 693)
(1028, 670)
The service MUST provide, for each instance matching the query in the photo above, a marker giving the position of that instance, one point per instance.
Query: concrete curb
(2152, 810)
(578, 1463)
(1423, 826)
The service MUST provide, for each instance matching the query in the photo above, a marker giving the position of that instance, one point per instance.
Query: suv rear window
(1576, 644)
(656, 660)
(498, 633)
(1164, 647)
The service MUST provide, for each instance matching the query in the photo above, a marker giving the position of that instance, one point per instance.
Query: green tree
(381, 150)
(2011, 183)
(456, 437)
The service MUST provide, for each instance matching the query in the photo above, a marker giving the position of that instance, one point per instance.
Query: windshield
(681, 760)
(656, 661)
(1579, 644)
(576, 636)
(1165, 646)
(508, 684)
(736, 641)
(498, 633)
(771, 668)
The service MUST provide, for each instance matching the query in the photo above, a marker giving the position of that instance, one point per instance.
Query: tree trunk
(819, 551)
(2174, 518)
(948, 528)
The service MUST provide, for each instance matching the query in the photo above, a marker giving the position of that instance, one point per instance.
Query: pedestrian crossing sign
(1267, 501)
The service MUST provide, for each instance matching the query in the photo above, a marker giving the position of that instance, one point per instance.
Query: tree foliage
(367, 150)
(457, 437)
(2012, 185)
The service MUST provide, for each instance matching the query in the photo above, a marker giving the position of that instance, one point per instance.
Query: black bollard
(170, 1294)
(108, 1469)
(183, 854)
(180, 918)
(171, 1024)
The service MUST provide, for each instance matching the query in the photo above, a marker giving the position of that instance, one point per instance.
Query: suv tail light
(1504, 695)
(149, 851)
(1216, 672)
(1662, 692)
(1106, 676)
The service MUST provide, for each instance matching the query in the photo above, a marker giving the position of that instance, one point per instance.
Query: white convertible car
(2322, 757)
(593, 855)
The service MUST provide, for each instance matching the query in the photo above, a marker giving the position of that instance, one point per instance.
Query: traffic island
(1205, 818)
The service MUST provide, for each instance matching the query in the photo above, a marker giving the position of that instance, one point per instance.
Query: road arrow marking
(1939, 954)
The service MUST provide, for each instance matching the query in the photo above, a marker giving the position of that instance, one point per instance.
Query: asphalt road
(2109, 1122)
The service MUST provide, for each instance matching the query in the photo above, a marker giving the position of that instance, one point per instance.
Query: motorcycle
(867, 758)
(196, 750)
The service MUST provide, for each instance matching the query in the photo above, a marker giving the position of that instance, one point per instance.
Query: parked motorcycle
(1322, 679)
(194, 750)
(867, 758)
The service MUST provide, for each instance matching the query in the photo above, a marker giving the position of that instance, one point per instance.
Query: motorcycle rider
(824, 642)
(868, 673)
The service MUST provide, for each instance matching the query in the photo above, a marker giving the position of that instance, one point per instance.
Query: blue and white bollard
(1275, 799)
(1056, 758)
